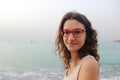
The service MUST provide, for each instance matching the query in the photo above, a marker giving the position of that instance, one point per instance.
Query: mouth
(72, 43)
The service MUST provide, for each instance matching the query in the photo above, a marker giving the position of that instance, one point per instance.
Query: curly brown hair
(91, 44)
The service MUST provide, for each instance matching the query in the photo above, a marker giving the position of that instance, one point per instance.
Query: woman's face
(74, 35)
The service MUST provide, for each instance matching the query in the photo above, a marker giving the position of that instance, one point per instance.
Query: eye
(66, 32)
(77, 32)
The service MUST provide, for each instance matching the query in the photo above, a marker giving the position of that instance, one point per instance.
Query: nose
(71, 37)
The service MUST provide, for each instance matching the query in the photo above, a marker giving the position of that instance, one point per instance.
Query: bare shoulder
(89, 70)
(90, 63)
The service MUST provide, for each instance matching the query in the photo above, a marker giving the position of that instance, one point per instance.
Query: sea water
(30, 60)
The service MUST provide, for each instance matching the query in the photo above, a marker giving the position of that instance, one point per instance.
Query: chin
(72, 50)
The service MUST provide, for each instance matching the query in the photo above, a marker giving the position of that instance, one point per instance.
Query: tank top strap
(74, 75)
(86, 57)
(79, 65)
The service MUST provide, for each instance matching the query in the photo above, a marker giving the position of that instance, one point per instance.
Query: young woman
(76, 44)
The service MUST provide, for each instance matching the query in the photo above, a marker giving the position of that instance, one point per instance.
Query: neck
(74, 55)
(74, 58)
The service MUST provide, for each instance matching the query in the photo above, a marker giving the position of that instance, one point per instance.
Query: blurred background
(28, 29)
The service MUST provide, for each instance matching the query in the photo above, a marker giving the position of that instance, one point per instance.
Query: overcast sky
(22, 20)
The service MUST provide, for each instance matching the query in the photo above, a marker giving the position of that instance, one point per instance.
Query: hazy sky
(24, 20)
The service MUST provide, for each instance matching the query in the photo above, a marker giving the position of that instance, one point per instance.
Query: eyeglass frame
(73, 32)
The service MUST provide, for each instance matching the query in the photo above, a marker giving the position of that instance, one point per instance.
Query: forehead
(72, 24)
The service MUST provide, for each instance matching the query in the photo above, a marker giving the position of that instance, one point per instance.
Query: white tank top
(74, 74)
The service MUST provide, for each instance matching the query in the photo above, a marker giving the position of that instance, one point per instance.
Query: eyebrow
(74, 29)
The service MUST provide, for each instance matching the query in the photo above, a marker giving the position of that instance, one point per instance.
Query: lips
(72, 43)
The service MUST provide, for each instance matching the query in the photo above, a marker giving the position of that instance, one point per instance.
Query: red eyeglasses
(77, 33)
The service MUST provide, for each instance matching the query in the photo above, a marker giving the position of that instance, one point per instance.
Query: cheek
(82, 40)
(64, 40)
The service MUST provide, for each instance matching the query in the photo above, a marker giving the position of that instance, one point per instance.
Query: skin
(89, 68)
(74, 44)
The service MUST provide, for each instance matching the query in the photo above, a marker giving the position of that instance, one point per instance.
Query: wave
(112, 78)
(41, 75)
